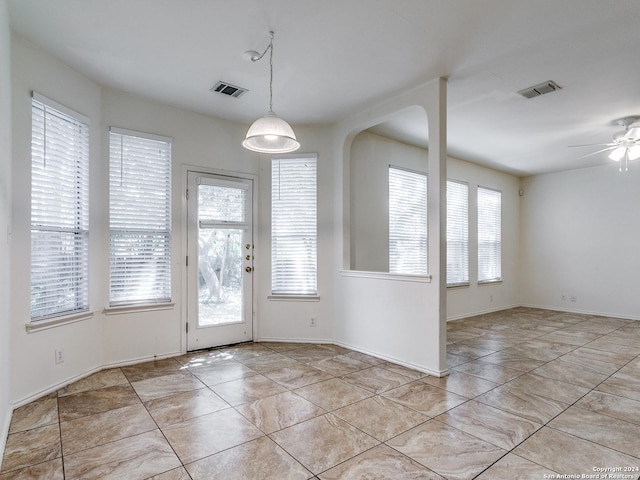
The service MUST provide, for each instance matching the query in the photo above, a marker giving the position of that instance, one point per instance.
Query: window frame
(497, 228)
(422, 257)
(465, 235)
(282, 289)
(158, 236)
(47, 209)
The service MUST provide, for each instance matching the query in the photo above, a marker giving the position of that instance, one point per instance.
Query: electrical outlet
(491, 298)
(59, 356)
(573, 298)
(563, 297)
(313, 322)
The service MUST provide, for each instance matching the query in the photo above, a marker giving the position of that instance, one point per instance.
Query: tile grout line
(380, 395)
(546, 424)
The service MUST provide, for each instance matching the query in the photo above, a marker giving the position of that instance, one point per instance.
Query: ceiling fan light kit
(625, 145)
(270, 133)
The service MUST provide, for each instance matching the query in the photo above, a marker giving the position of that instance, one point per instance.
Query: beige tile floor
(531, 393)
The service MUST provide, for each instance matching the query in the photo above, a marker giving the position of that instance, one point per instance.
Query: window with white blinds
(407, 222)
(59, 210)
(294, 232)
(139, 218)
(489, 235)
(457, 233)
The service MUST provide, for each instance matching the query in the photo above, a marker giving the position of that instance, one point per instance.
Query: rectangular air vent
(540, 89)
(228, 89)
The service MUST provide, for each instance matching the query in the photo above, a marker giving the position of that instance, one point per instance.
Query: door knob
(248, 269)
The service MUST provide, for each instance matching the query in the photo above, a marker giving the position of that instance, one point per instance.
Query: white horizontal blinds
(407, 222)
(59, 211)
(294, 239)
(139, 218)
(221, 204)
(489, 235)
(457, 233)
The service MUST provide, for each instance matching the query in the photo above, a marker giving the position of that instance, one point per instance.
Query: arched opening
(397, 144)
(398, 317)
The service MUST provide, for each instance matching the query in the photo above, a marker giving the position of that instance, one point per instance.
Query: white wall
(281, 319)
(209, 144)
(394, 318)
(5, 222)
(398, 318)
(199, 143)
(103, 340)
(475, 299)
(371, 156)
(580, 232)
(33, 368)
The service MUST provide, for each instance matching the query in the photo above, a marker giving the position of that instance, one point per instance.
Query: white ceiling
(335, 57)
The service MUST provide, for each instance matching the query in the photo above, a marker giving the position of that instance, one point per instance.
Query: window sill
(294, 298)
(37, 326)
(490, 282)
(458, 285)
(147, 307)
(386, 276)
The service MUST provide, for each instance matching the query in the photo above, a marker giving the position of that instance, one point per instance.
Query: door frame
(185, 170)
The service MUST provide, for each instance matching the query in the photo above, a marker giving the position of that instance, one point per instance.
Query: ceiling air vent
(228, 89)
(540, 89)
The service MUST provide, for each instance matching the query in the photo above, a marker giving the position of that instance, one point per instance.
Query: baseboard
(5, 429)
(357, 349)
(482, 312)
(294, 340)
(54, 388)
(388, 358)
(69, 381)
(135, 361)
(581, 312)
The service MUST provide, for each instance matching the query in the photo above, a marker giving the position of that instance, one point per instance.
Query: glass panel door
(219, 276)
(220, 238)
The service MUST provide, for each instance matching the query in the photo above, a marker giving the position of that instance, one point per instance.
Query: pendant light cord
(271, 72)
(269, 134)
(259, 57)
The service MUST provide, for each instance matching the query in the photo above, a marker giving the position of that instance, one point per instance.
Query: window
(407, 222)
(457, 233)
(59, 210)
(294, 226)
(139, 218)
(489, 235)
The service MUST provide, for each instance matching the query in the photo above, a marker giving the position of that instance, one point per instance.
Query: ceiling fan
(625, 145)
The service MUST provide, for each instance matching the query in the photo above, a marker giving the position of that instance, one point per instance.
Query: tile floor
(531, 393)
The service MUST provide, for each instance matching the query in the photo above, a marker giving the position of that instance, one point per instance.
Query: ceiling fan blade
(595, 153)
(594, 145)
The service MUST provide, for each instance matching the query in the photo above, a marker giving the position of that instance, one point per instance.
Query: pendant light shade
(271, 134)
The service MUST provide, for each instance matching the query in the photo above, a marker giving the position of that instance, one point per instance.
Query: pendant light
(269, 134)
